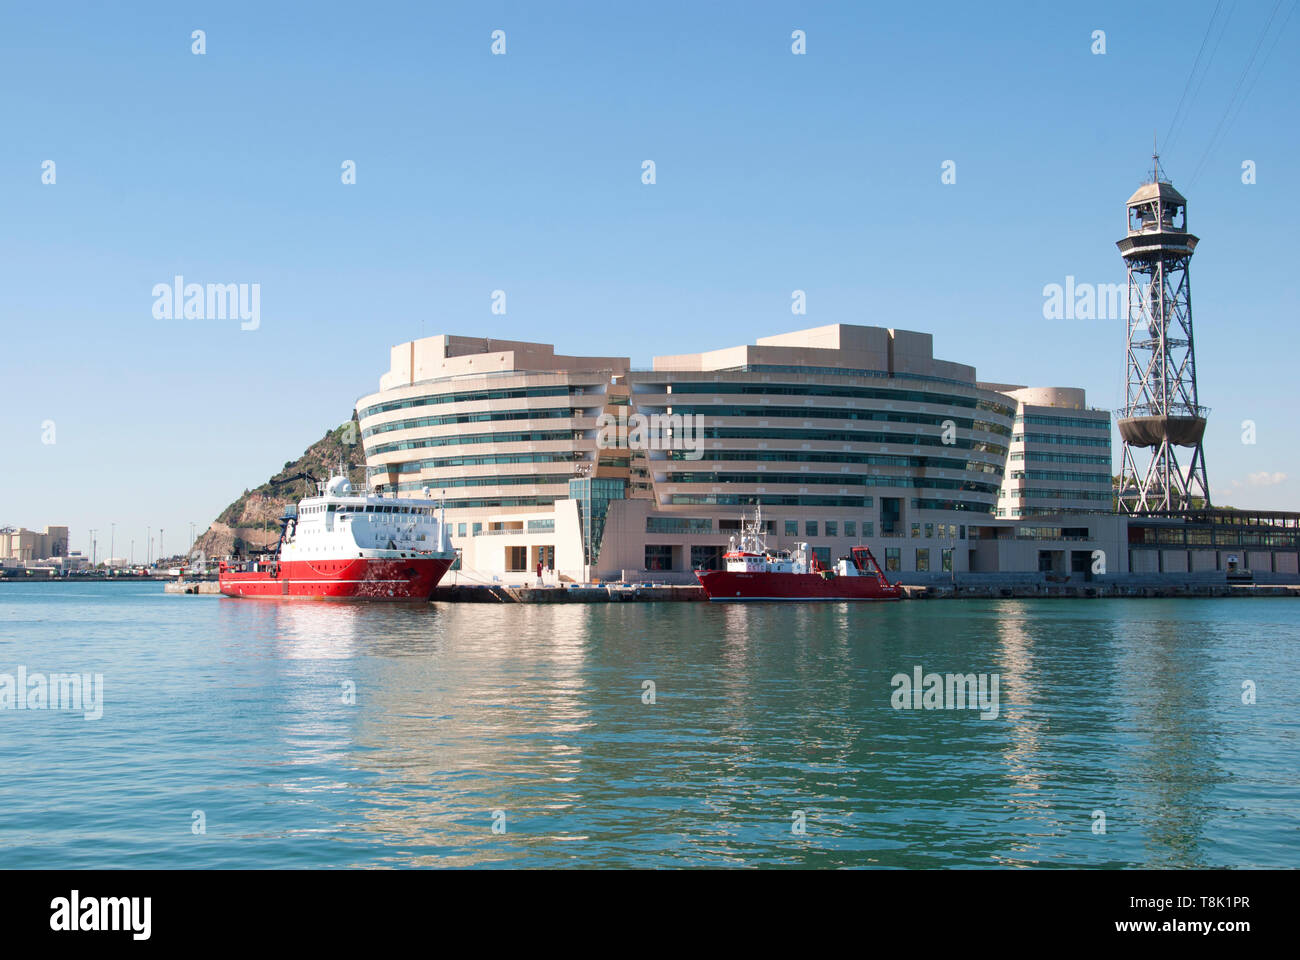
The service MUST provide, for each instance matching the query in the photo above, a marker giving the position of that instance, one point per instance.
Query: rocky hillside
(252, 521)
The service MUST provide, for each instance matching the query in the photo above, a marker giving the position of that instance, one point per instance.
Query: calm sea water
(533, 718)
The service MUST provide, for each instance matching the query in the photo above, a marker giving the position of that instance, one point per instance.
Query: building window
(792, 528)
(658, 556)
(832, 528)
(478, 528)
(706, 558)
(460, 529)
(810, 528)
(683, 525)
(929, 531)
(868, 528)
(916, 530)
(891, 516)
(946, 561)
(923, 559)
(516, 559)
(850, 528)
(891, 557)
(963, 532)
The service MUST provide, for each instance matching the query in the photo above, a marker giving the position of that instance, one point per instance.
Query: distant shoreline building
(22, 547)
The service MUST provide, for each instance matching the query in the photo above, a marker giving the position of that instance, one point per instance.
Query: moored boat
(753, 572)
(346, 545)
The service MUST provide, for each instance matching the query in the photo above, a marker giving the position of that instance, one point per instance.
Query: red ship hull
(725, 585)
(409, 578)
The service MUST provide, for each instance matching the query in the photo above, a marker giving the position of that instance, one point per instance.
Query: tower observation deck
(1162, 413)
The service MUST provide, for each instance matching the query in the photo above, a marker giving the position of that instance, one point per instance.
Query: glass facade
(593, 495)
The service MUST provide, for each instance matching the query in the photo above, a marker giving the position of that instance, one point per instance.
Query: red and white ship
(345, 545)
(753, 572)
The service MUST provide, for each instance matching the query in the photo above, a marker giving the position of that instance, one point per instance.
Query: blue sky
(522, 172)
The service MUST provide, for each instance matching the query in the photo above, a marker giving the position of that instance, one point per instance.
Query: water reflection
(1166, 681)
(759, 710)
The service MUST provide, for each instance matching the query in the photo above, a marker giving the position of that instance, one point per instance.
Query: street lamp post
(92, 547)
(112, 542)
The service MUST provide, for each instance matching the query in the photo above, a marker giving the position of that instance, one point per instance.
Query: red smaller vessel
(348, 546)
(752, 572)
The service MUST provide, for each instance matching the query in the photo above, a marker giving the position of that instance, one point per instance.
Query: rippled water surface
(237, 709)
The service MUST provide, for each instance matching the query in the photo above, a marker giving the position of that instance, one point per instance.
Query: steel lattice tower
(1161, 411)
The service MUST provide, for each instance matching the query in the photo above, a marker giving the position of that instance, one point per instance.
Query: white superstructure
(338, 523)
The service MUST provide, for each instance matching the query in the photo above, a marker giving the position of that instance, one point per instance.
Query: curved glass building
(844, 434)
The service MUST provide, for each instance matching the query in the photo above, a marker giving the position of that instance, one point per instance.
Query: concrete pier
(194, 587)
(573, 593)
(602, 593)
(621, 593)
(1097, 591)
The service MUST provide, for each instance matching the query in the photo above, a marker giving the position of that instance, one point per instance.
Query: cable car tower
(1161, 411)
